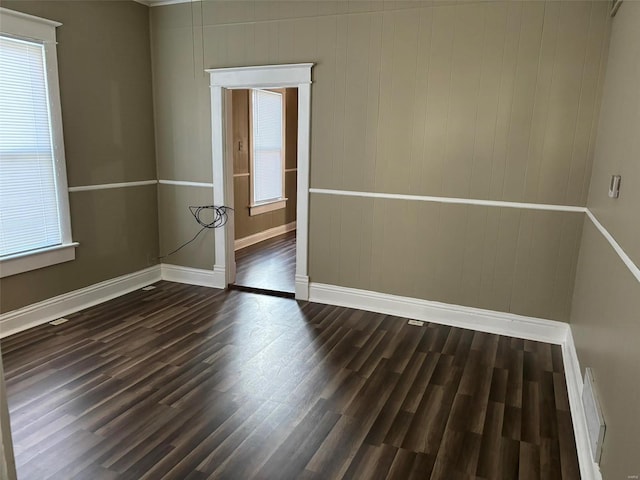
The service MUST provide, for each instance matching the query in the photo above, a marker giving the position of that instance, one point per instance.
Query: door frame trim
(222, 80)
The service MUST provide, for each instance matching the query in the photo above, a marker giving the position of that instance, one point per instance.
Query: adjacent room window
(35, 228)
(267, 151)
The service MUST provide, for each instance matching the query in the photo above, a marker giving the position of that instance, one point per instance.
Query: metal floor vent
(59, 321)
(593, 413)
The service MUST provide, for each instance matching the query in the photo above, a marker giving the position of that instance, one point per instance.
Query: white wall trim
(42, 312)
(463, 201)
(264, 235)
(185, 183)
(34, 259)
(489, 321)
(267, 207)
(193, 276)
(22, 24)
(160, 3)
(107, 186)
(616, 246)
(589, 470)
(277, 76)
(302, 187)
(261, 76)
(221, 185)
(302, 286)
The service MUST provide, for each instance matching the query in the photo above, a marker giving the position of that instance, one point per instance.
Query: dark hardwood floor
(269, 265)
(189, 383)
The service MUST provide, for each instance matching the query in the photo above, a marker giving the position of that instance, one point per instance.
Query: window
(35, 229)
(267, 151)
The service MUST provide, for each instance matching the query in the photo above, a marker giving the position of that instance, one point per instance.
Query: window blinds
(29, 214)
(267, 146)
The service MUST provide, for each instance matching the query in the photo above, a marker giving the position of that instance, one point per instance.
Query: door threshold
(262, 291)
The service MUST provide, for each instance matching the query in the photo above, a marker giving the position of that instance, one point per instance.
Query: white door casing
(265, 76)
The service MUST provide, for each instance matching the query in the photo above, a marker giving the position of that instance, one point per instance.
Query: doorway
(222, 82)
(264, 150)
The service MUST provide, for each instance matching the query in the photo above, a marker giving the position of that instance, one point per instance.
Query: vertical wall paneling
(576, 191)
(425, 99)
(542, 105)
(480, 100)
(466, 67)
(565, 95)
(524, 98)
(423, 65)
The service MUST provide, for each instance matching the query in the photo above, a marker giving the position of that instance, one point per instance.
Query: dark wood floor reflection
(186, 382)
(269, 265)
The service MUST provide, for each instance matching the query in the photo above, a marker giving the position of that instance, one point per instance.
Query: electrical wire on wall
(220, 216)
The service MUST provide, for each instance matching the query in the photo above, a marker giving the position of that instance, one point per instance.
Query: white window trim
(43, 257)
(277, 203)
(29, 27)
(265, 207)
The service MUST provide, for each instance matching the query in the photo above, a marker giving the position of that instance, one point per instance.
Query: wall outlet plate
(416, 323)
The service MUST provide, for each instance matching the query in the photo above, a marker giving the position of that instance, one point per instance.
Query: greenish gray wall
(182, 115)
(503, 259)
(173, 209)
(480, 100)
(107, 113)
(245, 224)
(605, 319)
(618, 142)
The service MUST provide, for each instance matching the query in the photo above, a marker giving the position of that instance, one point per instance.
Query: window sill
(267, 207)
(44, 257)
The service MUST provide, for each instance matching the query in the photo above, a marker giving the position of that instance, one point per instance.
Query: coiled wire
(220, 218)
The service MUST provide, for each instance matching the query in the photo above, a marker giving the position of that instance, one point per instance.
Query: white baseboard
(589, 470)
(42, 312)
(489, 321)
(194, 276)
(264, 235)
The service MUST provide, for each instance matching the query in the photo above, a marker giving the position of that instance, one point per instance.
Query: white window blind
(29, 212)
(267, 146)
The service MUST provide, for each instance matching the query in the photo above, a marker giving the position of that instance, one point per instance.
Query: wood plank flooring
(192, 383)
(270, 264)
